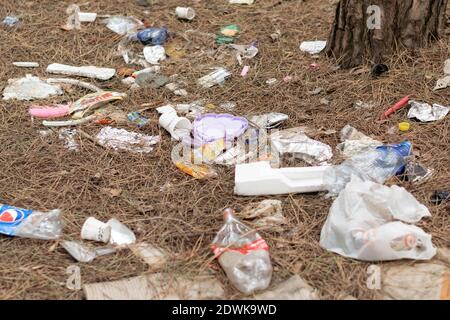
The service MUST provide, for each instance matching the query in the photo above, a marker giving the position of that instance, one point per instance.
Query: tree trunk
(356, 38)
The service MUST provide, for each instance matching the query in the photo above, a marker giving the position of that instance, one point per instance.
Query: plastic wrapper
(376, 165)
(153, 36)
(121, 139)
(198, 171)
(269, 120)
(426, 113)
(243, 254)
(122, 25)
(30, 88)
(354, 142)
(227, 34)
(361, 224)
(295, 142)
(218, 76)
(313, 47)
(93, 100)
(30, 224)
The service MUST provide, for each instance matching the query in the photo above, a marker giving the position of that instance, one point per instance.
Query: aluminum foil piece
(426, 113)
(354, 142)
(294, 141)
(269, 120)
(79, 251)
(68, 136)
(30, 88)
(123, 140)
(120, 233)
(218, 76)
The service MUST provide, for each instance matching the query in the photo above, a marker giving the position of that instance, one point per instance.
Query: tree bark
(404, 23)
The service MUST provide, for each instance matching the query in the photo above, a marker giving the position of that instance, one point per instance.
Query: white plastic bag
(361, 224)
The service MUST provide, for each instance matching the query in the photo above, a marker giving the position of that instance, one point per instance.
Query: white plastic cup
(186, 13)
(95, 230)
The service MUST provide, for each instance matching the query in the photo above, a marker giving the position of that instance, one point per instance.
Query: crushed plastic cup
(186, 13)
(95, 230)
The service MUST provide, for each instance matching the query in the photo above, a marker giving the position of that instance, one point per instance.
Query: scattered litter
(121, 139)
(120, 233)
(269, 120)
(324, 101)
(154, 257)
(241, 1)
(10, 21)
(227, 34)
(294, 288)
(153, 36)
(137, 118)
(86, 71)
(73, 21)
(267, 214)
(122, 25)
(420, 281)
(198, 171)
(426, 113)
(404, 126)
(74, 82)
(245, 52)
(175, 89)
(26, 64)
(46, 112)
(243, 255)
(228, 106)
(154, 54)
(447, 66)
(416, 172)
(30, 224)
(178, 127)
(211, 127)
(95, 230)
(400, 104)
(69, 123)
(376, 165)
(78, 251)
(360, 224)
(30, 88)
(245, 71)
(440, 196)
(87, 16)
(295, 142)
(313, 47)
(364, 105)
(157, 286)
(68, 136)
(218, 76)
(276, 35)
(186, 13)
(93, 100)
(259, 178)
(379, 69)
(316, 91)
(442, 83)
(354, 142)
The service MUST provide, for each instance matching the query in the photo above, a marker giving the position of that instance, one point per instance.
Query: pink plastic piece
(57, 111)
(245, 71)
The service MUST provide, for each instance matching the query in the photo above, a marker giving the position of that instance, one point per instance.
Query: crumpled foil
(426, 113)
(121, 139)
(294, 141)
(68, 136)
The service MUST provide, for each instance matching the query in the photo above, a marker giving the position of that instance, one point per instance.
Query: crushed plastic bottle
(376, 165)
(243, 255)
(30, 224)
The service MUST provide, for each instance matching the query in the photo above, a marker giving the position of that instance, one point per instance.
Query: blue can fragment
(154, 36)
(136, 117)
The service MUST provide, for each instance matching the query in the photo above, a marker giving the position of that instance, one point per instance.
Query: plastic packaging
(154, 54)
(227, 34)
(30, 224)
(218, 76)
(426, 113)
(376, 165)
(10, 21)
(211, 127)
(122, 25)
(362, 224)
(30, 88)
(198, 171)
(243, 255)
(153, 36)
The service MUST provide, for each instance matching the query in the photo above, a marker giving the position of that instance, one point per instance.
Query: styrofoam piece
(85, 71)
(87, 16)
(259, 178)
(26, 64)
(175, 125)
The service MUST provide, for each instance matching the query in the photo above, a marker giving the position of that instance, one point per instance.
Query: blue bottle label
(11, 218)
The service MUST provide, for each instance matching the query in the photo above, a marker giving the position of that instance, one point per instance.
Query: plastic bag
(122, 25)
(243, 255)
(361, 224)
(30, 224)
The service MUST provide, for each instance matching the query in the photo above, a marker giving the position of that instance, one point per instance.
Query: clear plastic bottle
(243, 255)
(375, 165)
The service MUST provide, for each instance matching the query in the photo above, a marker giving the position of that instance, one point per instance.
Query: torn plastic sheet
(426, 113)
(442, 83)
(121, 139)
(218, 76)
(313, 47)
(354, 142)
(84, 71)
(417, 173)
(120, 233)
(361, 224)
(83, 253)
(294, 141)
(244, 51)
(154, 54)
(30, 88)
(123, 25)
(156, 258)
(269, 120)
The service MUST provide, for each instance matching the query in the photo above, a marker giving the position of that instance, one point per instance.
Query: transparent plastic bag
(30, 224)
(243, 255)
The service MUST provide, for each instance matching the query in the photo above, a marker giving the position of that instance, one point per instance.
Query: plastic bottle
(375, 165)
(243, 255)
(30, 224)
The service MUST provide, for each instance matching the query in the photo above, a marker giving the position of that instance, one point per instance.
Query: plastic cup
(95, 230)
(185, 13)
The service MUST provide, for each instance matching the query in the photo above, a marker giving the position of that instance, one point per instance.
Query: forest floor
(162, 205)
